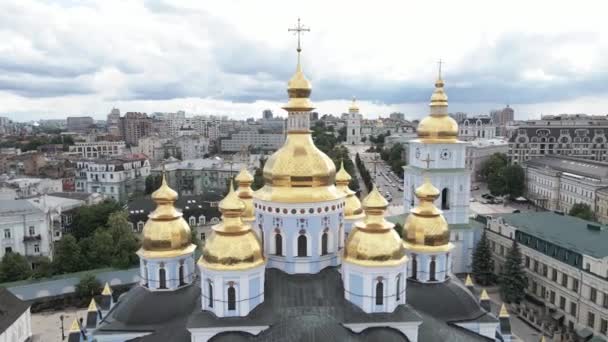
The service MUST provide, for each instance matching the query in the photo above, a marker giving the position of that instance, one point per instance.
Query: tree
(582, 210)
(67, 255)
(399, 229)
(152, 183)
(514, 178)
(125, 242)
(44, 268)
(258, 176)
(13, 267)
(482, 262)
(496, 162)
(102, 249)
(496, 183)
(194, 238)
(88, 218)
(88, 286)
(513, 279)
(342, 134)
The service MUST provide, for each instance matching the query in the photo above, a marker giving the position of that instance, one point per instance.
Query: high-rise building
(113, 122)
(79, 124)
(397, 116)
(135, 126)
(267, 114)
(501, 119)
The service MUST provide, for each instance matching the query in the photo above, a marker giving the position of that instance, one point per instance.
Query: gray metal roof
(17, 207)
(587, 168)
(566, 231)
(11, 308)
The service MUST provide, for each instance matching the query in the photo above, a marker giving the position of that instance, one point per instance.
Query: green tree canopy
(102, 249)
(88, 218)
(152, 183)
(67, 256)
(482, 262)
(88, 286)
(496, 162)
(514, 180)
(582, 210)
(125, 242)
(44, 268)
(13, 267)
(513, 279)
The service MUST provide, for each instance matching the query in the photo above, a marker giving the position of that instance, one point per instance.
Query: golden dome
(299, 89)
(232, 245)
(353, 109)
(244, 180)
(425, 227)
(166, 233)
(352, 205)
(373, 241)
(439, 127)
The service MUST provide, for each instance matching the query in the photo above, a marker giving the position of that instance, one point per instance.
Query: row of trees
(394, 158)
(31, 143)
(503, 178)
(512, 279)
(367, 178)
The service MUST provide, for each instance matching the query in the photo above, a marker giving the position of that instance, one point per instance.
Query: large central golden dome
(373, 241)
(299, 172)
(425, 227)
(439, 127)
(166, 233)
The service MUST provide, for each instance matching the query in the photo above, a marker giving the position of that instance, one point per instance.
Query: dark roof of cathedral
(11, 308)
(298, 308)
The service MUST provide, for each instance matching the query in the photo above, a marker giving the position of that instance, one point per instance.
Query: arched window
(432, 269)
(202, 219)
(414, 267)
(140, 226)
(445, 202)
(210, 287)
(353, 131)
(412, 196)
(231, 298)
(398, 288)
(278, 244)
(324, 243)
(146, 275)
(379, 293)
(162, 278)
(302, 246)
(192, 221)
(181, 273)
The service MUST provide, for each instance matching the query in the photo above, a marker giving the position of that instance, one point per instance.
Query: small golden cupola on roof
(244, 180)
(166, 233)
(373, 241)
(425, 227)
(354, 108)
(232, 245)
(438, 127)
(352, 205)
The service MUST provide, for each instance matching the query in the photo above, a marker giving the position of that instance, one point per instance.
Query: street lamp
(62, 331)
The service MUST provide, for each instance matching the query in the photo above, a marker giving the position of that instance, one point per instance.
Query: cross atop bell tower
(299, 30)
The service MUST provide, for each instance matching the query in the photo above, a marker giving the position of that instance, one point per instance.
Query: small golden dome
(439, 127)
(244, 180)
(425, 226)
(354, 108)
(166, 233)
(299, 89)
(232, 245)
(352, 205)
(373, 241)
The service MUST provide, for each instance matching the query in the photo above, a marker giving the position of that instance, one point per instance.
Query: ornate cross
(440, 62)
(428, 160)
(299, 29)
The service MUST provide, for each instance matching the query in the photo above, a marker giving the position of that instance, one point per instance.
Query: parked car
(475, 187)
(516, 211)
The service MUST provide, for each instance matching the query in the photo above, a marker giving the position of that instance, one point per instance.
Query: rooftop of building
(203, 163)
(81, 196)
(307, 307)
(488, 142)
(11, 308)
(581, 167)
(566, 231)
(17, 207)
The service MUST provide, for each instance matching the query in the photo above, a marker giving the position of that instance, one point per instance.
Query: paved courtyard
(46, 326)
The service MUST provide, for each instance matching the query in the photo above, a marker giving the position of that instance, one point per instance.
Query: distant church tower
(353, 124)
(438, 140)
(167, 253)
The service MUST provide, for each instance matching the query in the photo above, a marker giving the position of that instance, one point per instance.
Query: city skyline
(229, 59)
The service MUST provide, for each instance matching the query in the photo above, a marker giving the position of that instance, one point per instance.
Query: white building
(25, 229)
(252, 139)
(16, 324)
(353, 124)
(557, 183)
(152, 147)
(192, 146)
(566, 262)
(479, 127)
(26, 187)
(479, 151)
(116, 178)
(60, 211)
(98, 149)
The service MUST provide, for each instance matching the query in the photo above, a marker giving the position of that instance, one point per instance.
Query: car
(472, 199)
(475, 187)
(487, 196)
(400, 189)
(516, 211)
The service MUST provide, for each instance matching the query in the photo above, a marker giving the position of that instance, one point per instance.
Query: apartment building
(98, 149)
(478, 127)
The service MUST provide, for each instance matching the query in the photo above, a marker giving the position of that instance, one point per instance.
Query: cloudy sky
(83, 57)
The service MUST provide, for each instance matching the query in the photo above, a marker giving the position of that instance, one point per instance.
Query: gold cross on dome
(440, 63)
(428, 160)
(299, 29)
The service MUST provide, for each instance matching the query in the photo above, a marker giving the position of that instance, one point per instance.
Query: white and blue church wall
(300, 238)
(375, 289)
(161, 274)
(429, 267)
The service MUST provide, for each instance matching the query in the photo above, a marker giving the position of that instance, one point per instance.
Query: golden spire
(232, 244)
(352, 205)
(244, 180)
(106, 290)
(92, 306)
(166, 233)
(438, 127)
(373, 241)
(503, 311)
(353, 109)
(298, 87)
(468, 281)
(75, 326)
(484, 295)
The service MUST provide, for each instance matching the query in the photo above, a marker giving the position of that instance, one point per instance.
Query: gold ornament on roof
(299, 87)
(484, 295)
(503, 311)
(107, 291)
(166, 233)
(75, 326)
(352, 205)
(438, 127)
(232, 245)
(244, 180)
(373, 241)
(354, 108)
(92, 306)
(468, 281)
